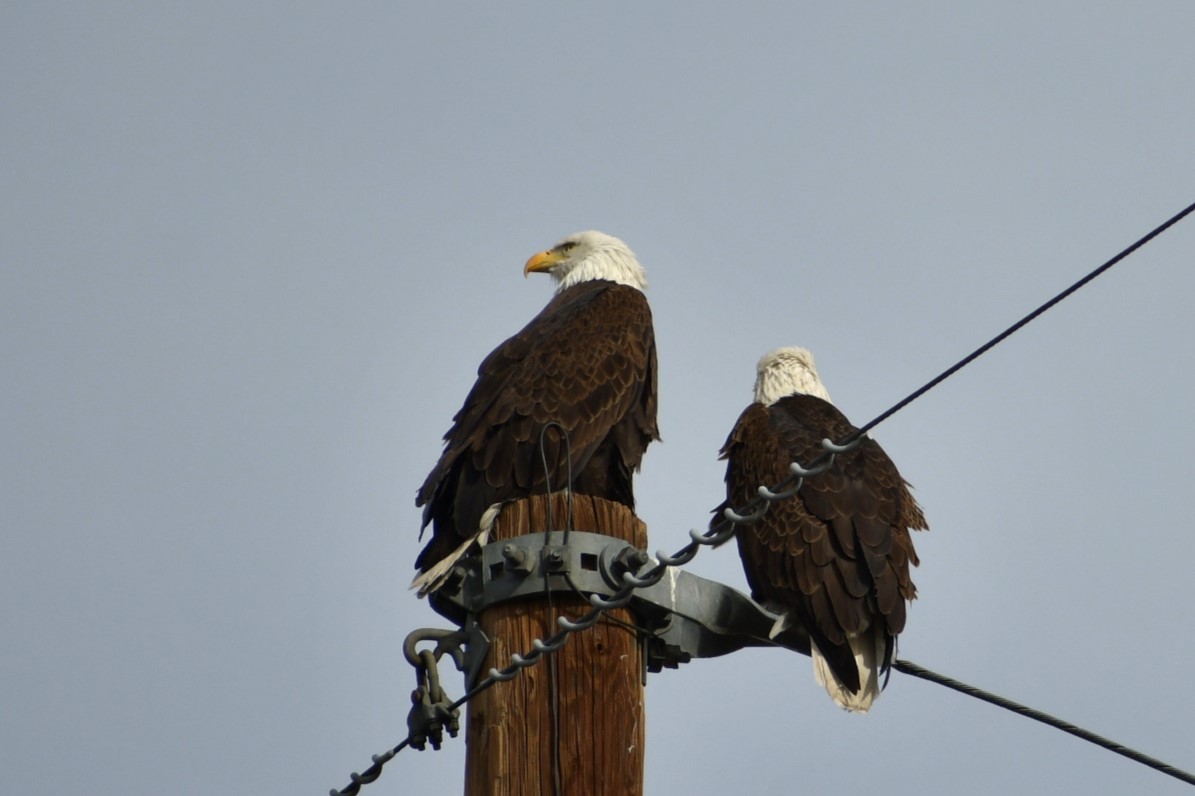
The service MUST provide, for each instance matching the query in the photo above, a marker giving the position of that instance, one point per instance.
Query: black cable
(554, 704)
(983, 349)
(568, 487)
(910, 668)
(553, 681)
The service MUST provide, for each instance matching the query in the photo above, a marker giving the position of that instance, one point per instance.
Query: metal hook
(829, 445)
(744, 519)
(651, 578)
(619, 599)
(541, 646)
(785, 494)
(502, 677)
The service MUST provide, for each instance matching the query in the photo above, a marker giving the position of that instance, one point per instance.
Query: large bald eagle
(586, 363)
(833, 560)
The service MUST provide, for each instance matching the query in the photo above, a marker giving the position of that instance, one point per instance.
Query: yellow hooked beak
(544, 261)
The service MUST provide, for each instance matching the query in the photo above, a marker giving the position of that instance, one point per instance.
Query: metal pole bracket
(685, 616)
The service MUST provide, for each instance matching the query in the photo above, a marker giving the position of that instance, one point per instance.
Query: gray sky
(250, 259)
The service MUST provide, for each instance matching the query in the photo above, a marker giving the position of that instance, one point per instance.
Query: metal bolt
(516, 558)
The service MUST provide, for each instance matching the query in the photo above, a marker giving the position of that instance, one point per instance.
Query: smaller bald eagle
(586, 363)
(833, 560)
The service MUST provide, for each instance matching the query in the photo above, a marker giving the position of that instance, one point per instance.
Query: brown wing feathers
(837, 555)
(587, 363)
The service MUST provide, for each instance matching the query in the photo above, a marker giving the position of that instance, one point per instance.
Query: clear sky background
(251, 254)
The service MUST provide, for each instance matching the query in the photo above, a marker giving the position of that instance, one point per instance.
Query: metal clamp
(686, 616)
(431, 711)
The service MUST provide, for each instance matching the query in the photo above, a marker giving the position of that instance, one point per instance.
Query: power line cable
(553, 682)
(910, 668)
(990, 344)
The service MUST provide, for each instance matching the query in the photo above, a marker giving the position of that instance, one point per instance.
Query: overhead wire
(990, 344)
(914, 670)
(553, 682)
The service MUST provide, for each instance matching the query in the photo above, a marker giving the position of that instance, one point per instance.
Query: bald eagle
(833, 560)
(587, 364)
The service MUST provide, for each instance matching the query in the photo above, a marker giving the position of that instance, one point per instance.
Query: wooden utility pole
(594, 745)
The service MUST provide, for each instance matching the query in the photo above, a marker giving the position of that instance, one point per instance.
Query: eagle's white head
(786, 371)
(585, 256)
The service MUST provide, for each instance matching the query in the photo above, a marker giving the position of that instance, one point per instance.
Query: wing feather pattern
(586, 362)
(836, 556)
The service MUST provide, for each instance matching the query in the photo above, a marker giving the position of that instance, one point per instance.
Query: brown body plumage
(835, 557)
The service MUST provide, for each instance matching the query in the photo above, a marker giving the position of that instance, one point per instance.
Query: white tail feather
(868, 648)
(434, 576)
